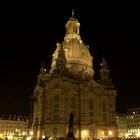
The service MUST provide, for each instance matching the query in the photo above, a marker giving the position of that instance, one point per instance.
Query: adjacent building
(69, 87)
(133, 122)
(129, 124)
(122, 125)
(13, 126)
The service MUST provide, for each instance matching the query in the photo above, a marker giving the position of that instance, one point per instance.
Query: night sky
(25, 44)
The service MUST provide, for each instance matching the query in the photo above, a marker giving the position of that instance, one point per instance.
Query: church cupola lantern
(72, 26)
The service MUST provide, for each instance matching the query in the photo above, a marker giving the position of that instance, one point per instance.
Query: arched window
(75, 29)
(56, 101)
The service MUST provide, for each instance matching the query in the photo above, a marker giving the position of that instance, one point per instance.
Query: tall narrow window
(104, 111)
(56, 107)
(103, 106)
(90, 104)
(91, 110)
(56, 101)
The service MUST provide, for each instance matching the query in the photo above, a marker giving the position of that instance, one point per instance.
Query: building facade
(122, 125)
(13, 126)
(68, 87)
(133, 122)
(129, 124)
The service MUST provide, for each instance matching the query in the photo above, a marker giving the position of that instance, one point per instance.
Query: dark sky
(25, 44)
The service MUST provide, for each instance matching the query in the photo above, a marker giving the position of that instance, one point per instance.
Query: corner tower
(79, 60)
(105, 80)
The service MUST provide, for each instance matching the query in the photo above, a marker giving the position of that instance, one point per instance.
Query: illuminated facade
(13, 126)
(133, 122)
(129, 124)
(122, 125)
(69, 87)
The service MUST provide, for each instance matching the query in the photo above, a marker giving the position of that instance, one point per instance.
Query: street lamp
(110, 133)
(84, 134)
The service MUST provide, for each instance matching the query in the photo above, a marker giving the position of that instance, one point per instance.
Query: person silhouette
(71, 118)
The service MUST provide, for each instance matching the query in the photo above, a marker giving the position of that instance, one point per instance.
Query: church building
(69, 87)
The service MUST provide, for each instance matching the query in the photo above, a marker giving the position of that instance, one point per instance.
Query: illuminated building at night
(69, 87)
(129, 124)
(133, 122)
(122, 125)
(13, 126)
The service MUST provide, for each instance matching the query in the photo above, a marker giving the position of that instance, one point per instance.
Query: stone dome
(79, 60)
